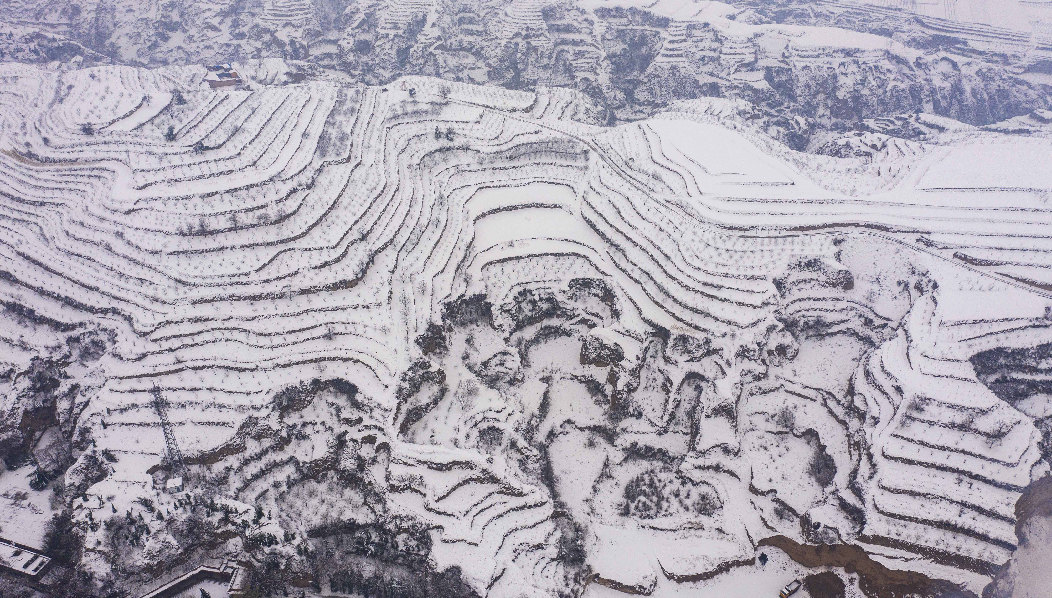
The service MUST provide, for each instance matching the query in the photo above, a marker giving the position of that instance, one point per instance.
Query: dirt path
(875, 580)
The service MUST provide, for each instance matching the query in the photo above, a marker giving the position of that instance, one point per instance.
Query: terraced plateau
(283, 325)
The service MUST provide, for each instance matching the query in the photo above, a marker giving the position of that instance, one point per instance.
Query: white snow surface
(315, 230)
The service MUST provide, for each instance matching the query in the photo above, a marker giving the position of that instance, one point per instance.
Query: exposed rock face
(1026, 574)
(630, 61)
(1022, 377)
(44, 398)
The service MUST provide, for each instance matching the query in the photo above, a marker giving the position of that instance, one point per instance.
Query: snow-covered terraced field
(617, 356)
(277, 12)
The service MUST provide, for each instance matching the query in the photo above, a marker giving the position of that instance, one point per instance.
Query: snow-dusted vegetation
(430, 338)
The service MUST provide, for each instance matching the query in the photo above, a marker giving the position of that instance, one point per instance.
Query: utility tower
(173, 454)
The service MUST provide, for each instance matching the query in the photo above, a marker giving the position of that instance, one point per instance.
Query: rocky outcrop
(642, 62)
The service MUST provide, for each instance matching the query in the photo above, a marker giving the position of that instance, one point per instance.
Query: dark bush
(825, 585)
(433, 340)
(822, 467)
(475, 309)
(61, 541)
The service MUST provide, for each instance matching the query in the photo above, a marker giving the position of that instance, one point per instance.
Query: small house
(222, 75)
(174, 485)
(22, 560)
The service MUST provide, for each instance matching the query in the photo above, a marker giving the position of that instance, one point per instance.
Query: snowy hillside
(809, 67)
(278, 325)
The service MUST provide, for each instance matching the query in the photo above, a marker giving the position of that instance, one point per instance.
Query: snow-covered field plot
(278, 12)
(24, 512)
(392, 331)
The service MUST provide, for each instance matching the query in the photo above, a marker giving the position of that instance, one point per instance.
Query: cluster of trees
(67, 578)
(407, 545)
(127, 531)
(651, 494)
(256, 541)
(822, 467)
(39, 479)
(388, 584)
(532, 306)
(297, 397)
(448, 135)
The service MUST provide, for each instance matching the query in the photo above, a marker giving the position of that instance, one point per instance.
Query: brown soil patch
(875, 580)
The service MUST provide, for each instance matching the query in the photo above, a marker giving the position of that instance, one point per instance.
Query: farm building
(227, 578)
(222, 75)
(22, 560)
